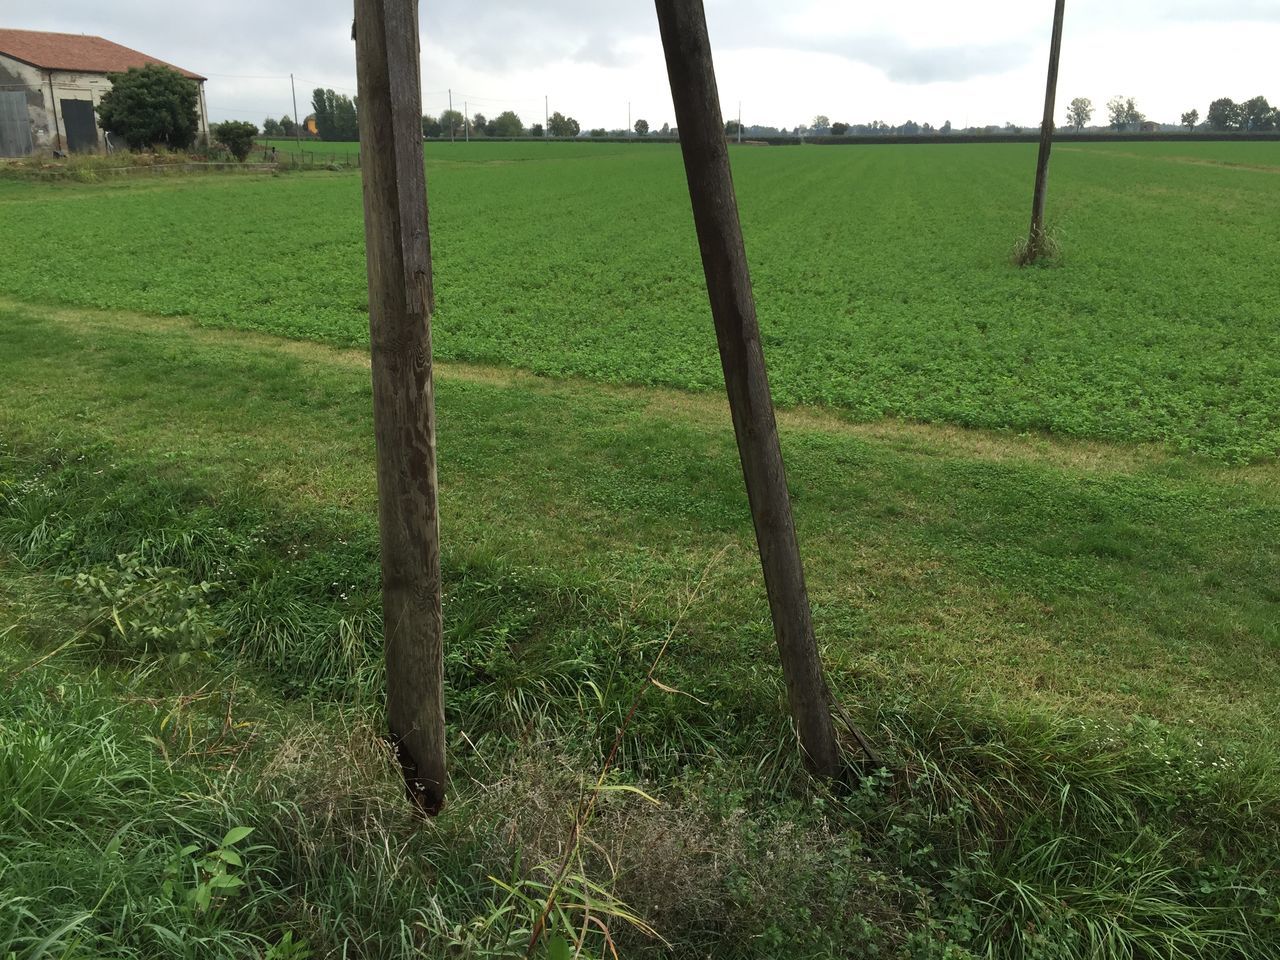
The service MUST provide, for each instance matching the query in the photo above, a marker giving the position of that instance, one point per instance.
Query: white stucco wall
(18, 76)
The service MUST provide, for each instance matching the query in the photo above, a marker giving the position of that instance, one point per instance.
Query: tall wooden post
(1036, 239)
(715, 212)
(398, 251)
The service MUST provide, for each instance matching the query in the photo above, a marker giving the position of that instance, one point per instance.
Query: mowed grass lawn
(1064, 643)
(882, 275)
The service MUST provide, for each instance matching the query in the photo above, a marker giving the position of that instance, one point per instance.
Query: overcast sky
(925, 60)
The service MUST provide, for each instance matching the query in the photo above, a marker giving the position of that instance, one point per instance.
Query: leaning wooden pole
(1036, 239)
(398, 251)
(715, 212)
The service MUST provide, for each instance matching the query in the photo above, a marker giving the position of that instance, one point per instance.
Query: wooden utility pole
(1036, 239)
(401, 301)
(297, 124)
(715, 212)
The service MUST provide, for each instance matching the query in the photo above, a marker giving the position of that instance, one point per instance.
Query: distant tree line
(336, 119)
(1123, 116)
(1225, 115)
(824, 126)
(284, 127)
(451, 125)
(1252, 116)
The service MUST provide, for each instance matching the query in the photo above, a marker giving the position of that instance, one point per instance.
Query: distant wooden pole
(297, 124)
(401, 300)
(715, 212)
(53, 109)
(1036, 239)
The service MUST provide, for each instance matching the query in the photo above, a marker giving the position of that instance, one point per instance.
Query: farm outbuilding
(50, 86)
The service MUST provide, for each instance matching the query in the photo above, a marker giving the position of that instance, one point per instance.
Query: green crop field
(882, 275)
(1039, 511)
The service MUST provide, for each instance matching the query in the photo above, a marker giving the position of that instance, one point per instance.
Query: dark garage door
(82, 129)
(15, 125)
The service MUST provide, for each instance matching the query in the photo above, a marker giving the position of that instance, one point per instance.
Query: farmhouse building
(51, 83)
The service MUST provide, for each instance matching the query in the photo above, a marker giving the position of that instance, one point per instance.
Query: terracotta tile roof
(75, 51)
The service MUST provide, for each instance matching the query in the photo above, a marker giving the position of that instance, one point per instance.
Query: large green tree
(451, 121)
(1124, 114)
(345, 119)
(1258, 114)
(1225, 114)
(1079, 113)
(562, 126)
(506, 124)
(151, 106)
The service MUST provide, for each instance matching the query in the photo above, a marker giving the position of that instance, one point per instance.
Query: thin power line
(326, 86)
(242, 76)
(503, 99)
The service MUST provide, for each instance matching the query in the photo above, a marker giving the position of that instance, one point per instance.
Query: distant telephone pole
(466, 123)
(739, 121)
(628, 118)
(546, 116)
(297, 122)
(451, 115)
(1036, 238)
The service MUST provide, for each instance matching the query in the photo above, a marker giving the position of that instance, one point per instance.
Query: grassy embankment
(1066, 651)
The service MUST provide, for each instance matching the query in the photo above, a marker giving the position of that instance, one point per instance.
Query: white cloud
(927, 60)
(1225, 10)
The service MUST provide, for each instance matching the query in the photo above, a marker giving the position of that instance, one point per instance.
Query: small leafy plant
(517, 922)
(145, 611)
(287, 948)
(202, 880)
